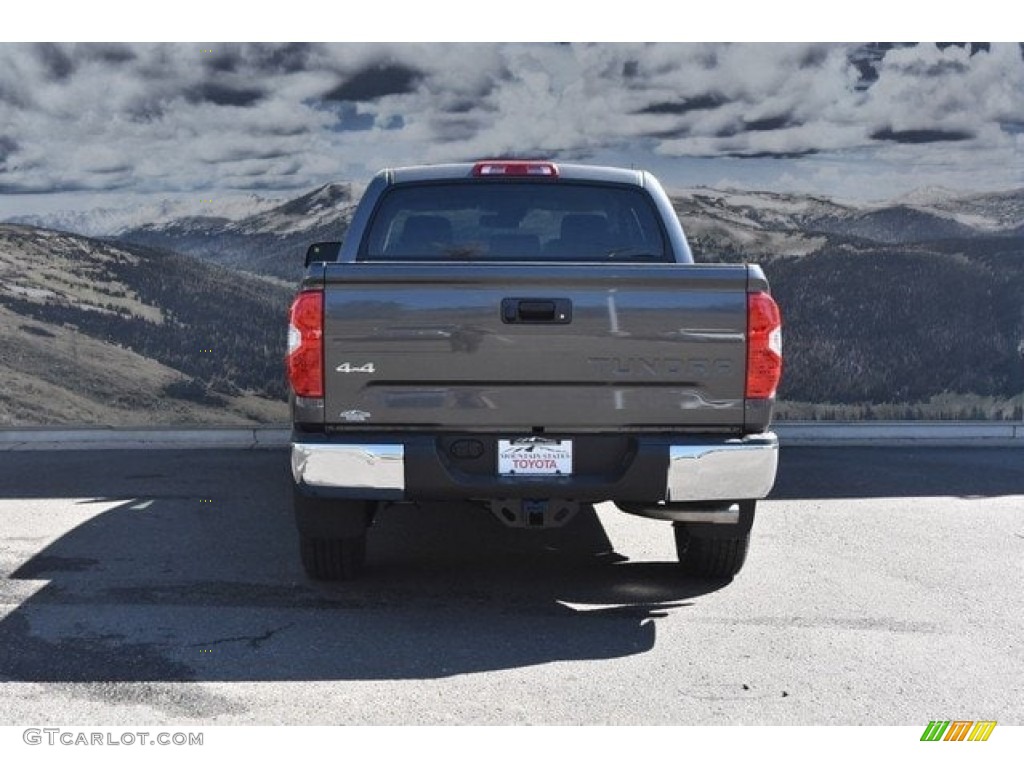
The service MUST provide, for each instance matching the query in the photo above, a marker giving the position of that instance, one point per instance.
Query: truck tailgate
(581, 347)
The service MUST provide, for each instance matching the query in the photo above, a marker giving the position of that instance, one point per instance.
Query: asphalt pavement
(883, 586)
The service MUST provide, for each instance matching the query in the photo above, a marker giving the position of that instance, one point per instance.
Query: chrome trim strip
(665, 512)
(725, 517)
(734, 469)
(719, 336)
(324, 465)
(729, 516)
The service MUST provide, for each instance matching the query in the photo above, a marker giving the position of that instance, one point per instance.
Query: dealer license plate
(534, 456)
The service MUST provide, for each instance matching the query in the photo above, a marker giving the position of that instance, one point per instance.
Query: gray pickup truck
(530, 336)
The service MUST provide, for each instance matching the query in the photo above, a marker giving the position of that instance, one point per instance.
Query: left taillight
(305, 358)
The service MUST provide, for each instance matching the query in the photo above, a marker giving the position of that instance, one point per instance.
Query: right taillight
(764, 346)
(305, 358)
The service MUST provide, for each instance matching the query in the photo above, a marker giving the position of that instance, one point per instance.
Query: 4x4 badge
(349, 368)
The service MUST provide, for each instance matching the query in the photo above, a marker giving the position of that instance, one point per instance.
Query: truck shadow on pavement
(164, 571)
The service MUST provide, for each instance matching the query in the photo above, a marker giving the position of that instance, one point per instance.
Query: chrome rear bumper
(705, 470)
(734, 469)
(353, 467)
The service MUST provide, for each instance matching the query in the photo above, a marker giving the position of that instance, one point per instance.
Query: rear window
(515, 221)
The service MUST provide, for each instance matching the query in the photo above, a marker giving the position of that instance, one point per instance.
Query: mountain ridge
(272, 238)
(271, 242)
(883, 304)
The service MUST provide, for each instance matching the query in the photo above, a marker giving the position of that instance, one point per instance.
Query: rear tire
(332, 536)
(332, 559)
(714, 551)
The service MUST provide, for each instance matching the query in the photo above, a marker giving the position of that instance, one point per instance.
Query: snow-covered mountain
(992, 213)
(110, 221)
(325, 207)
(734, 224)
(270, 236)
(271, 241)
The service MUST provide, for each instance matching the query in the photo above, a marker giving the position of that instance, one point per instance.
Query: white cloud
(174, 118)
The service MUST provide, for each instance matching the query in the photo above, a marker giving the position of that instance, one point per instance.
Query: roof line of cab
(569, 171)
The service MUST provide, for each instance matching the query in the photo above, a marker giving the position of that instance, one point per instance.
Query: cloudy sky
(90, 124)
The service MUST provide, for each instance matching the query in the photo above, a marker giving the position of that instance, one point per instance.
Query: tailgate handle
(536, 311)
